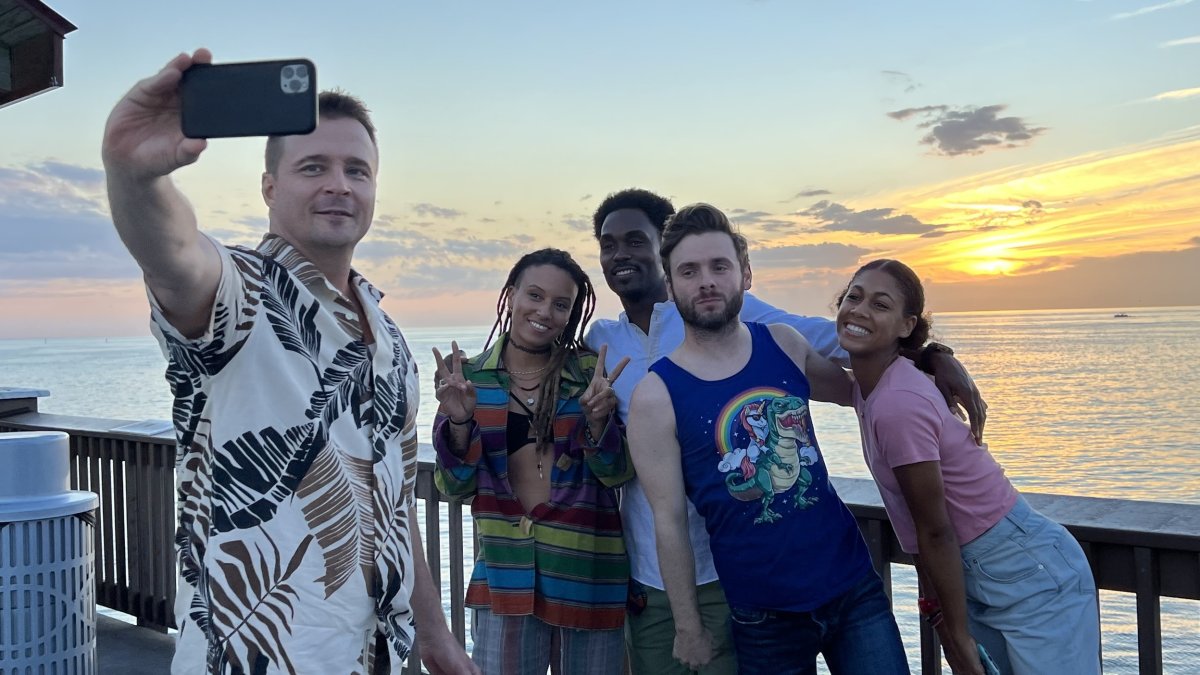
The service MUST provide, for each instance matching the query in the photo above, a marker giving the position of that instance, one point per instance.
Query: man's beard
(635, 294)
(712, 323)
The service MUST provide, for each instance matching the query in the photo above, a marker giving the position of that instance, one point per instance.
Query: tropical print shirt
(564, 561)
(296, 464)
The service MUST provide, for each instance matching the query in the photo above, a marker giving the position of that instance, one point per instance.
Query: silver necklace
(530, 398)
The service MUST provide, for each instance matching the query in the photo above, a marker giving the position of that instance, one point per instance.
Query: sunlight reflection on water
(1081, 403)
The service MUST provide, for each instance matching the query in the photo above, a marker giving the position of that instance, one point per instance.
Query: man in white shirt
(628, 225)
(295, 403)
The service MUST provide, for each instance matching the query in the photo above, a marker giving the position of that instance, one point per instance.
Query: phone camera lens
(288, 72)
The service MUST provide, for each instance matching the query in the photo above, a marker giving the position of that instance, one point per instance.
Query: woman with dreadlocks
(528, 430)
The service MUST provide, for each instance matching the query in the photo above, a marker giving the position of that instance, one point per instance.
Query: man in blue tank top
(740, 445)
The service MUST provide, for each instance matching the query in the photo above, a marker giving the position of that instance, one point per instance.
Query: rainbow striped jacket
(564, 561)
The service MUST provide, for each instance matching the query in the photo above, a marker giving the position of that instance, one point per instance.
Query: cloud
(836, 217)
(826, 255)
(743, 217)
(408, 263)
(1194, 40)
(970, 130)
(761, 220)
(1149, 9)
(806, 193)
(427, 210)
(54, 223)
(71, 173)
(578, 223)
(902, 79)
(1177, 94)
(585, 197)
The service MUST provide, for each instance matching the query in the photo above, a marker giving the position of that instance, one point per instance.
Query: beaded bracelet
(588, 438)
(931, 611)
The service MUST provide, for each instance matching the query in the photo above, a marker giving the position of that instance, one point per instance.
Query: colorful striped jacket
(564, 562)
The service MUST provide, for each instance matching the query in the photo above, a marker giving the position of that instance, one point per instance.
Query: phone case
(262, 98)
(985, 659)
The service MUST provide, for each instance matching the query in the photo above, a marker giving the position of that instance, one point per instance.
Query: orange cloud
(1034, 219)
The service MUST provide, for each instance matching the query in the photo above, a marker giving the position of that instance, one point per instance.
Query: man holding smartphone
(295, 403)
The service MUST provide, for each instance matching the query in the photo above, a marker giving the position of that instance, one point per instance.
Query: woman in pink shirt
(992, 568)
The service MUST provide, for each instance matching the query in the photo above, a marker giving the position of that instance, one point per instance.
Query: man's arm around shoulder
(829, 382)
(820, 332)
(656, 459)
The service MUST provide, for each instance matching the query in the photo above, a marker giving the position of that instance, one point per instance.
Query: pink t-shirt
(905, 421)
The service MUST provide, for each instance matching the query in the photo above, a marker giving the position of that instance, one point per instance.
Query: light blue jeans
(1031, 599)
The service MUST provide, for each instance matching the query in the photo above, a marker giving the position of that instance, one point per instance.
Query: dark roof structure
(31, 52)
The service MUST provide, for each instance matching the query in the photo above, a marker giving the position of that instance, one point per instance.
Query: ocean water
(1080, 403)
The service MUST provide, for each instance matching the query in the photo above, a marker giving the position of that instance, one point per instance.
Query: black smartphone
(259, 98)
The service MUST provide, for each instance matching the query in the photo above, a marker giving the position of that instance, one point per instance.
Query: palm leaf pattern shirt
(296, 464)
(564, 561)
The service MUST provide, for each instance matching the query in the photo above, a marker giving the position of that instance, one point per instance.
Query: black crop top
(517, 432)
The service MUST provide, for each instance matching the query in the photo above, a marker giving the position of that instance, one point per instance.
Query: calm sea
(1081, 403)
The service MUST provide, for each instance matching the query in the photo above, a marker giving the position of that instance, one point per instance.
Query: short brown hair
(698, 219)
(331, 105)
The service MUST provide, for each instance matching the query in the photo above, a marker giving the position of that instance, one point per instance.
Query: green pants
(650, 635)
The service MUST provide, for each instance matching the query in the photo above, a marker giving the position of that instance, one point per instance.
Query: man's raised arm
(656, 459)
(143, 144)
(949, 374)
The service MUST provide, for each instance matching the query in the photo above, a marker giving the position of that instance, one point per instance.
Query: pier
(1149, 549)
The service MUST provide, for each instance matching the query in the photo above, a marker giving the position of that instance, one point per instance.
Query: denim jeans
(856, 633)
(1031, 599)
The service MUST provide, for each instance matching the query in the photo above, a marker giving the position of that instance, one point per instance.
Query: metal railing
(1150, 549)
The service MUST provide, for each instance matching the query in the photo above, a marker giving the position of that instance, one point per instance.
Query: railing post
(457, 583)
(877, 545)
(14, 400)
(1149, 616)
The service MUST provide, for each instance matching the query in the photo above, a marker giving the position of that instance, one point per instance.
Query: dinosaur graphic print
(766, 445)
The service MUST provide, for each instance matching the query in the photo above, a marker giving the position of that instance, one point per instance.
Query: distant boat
(1120, 315)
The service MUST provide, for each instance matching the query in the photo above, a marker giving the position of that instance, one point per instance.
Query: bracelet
(931, 611)
(459, 424)
(587, 436)
(928, 605)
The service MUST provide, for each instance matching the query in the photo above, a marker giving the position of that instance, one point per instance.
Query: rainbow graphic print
(765, 441)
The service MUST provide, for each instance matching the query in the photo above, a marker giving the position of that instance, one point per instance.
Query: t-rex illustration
(781, 465)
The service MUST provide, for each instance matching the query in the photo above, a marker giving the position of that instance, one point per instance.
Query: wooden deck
(1149, 549)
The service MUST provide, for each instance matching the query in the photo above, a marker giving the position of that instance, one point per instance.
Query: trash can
(47, 559)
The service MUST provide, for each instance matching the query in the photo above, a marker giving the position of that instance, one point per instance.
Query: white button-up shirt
(296, 423)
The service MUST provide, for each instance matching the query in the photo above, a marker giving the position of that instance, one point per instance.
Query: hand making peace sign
(455, 394)
(599, 400)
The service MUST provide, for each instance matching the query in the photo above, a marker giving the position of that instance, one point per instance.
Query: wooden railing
(1147, 548)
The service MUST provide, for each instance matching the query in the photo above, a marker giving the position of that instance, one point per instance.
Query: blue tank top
(781, 537)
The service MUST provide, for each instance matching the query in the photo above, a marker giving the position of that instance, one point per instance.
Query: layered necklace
(534, 374)
(530, 399)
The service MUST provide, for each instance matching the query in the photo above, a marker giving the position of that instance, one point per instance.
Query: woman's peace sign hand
(455, 394)
(599, 400)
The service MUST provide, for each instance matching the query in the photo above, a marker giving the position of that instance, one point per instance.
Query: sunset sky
(1041, 154)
